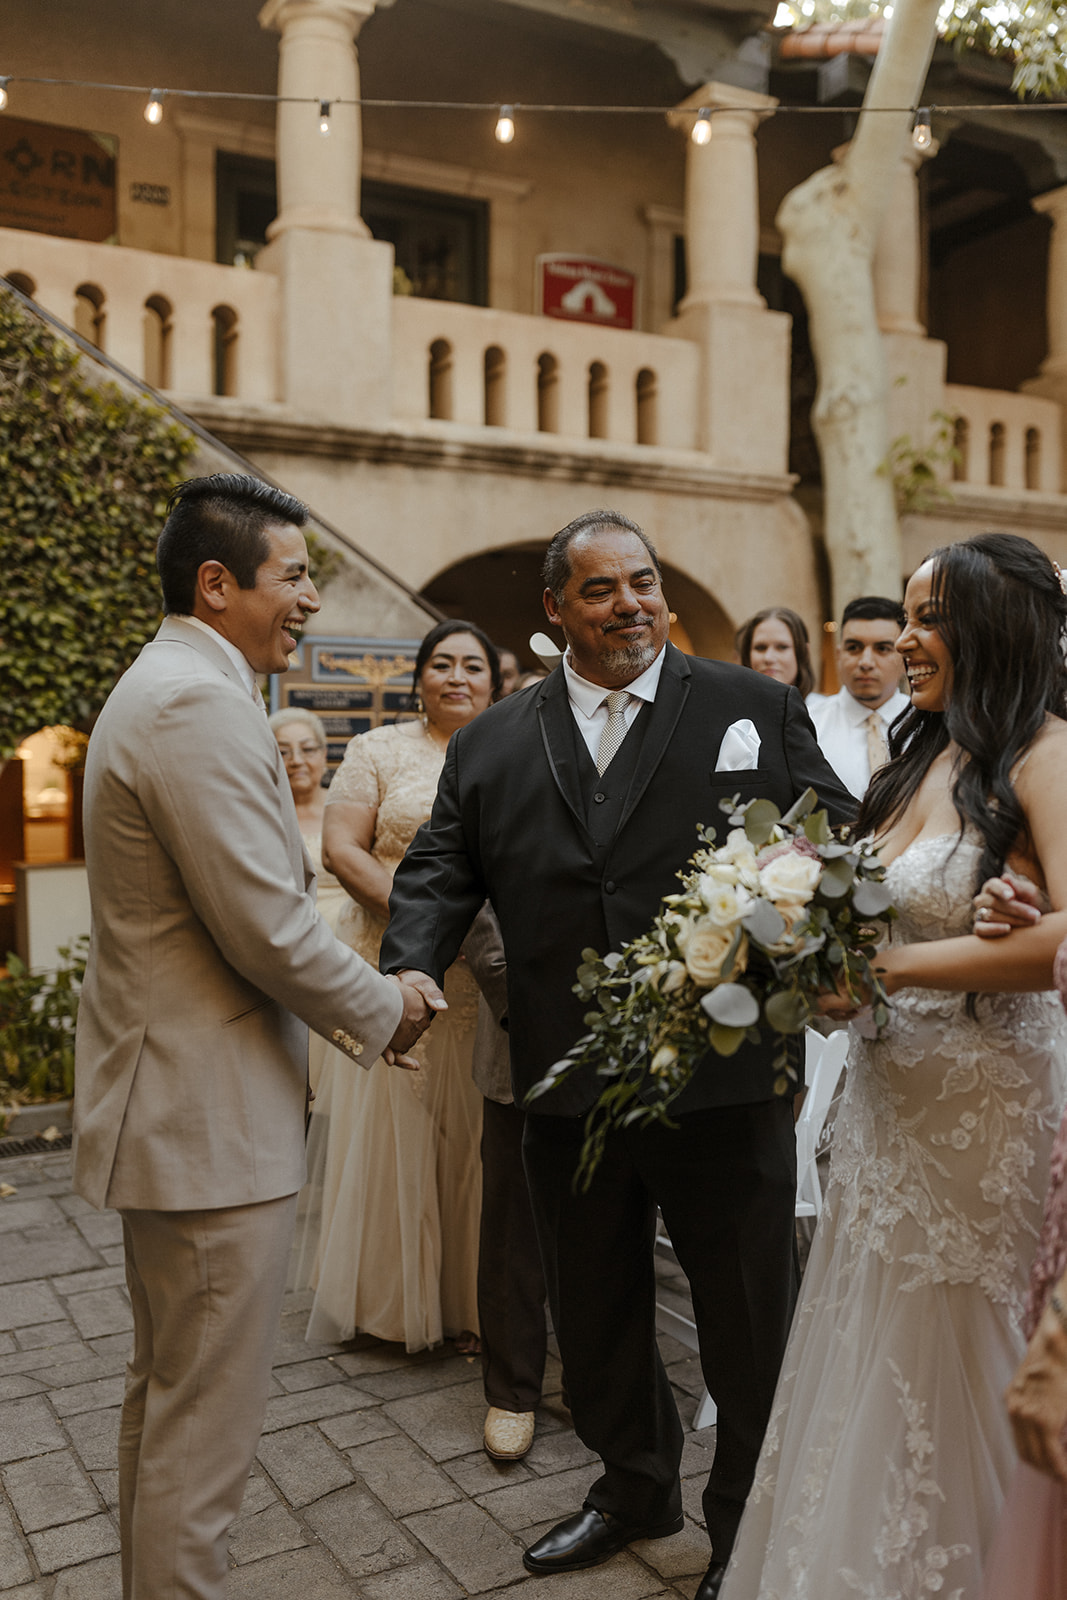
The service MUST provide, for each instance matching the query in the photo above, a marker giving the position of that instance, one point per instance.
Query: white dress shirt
(239, 660)
(589, 700)
(841, 729)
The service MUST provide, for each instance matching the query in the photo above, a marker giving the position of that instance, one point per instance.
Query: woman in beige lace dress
(302, 742)
(390, 1244)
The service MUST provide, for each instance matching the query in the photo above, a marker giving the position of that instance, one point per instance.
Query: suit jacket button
(609, 887)
(599, 798)
(338, 1035)
(357, 1049)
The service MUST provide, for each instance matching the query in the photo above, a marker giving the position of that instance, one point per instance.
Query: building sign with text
(580, 289)
(351, 685)
(57, 180)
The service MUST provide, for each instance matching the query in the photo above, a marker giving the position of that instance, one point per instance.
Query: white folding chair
(823, 1060)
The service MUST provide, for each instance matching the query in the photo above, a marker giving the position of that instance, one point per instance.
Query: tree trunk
(829, 225)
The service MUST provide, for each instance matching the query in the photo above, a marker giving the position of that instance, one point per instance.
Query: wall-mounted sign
(580, 289)
(150, 194)
(57, 180)
(350, 684)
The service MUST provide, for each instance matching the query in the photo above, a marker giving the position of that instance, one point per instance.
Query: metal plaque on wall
(350, 684)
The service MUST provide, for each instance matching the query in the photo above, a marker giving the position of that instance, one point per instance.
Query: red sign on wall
(580, 289)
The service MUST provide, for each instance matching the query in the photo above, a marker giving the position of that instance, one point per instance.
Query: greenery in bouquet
(783, 911)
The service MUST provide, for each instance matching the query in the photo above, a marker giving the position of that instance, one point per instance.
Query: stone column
(1051, 381)
(721, 181)
(897, 262)
(336, 282)
(1054, 205)
(743, 404)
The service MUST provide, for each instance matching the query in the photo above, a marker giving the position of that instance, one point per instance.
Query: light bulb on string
(921, 135)
(153, 111)
(3, 93)
(505, 125)
(324, 118)
(701, 133)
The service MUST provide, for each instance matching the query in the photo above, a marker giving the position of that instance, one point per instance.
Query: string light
(701, 133)
(505, 125)
(506, 113)
(921, 135)
(324, 118)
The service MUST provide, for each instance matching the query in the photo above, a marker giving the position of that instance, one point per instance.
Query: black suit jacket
(509, 823)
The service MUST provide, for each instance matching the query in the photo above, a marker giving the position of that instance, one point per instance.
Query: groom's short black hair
(556, 570)
(222, 518)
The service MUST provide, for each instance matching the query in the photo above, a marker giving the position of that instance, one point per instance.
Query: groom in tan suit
(207, 963)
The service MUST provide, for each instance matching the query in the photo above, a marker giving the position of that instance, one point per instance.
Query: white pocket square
(739, 751)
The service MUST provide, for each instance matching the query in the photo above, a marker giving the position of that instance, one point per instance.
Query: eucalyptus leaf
(837, 878)
(785, 1012)
(802, 806)
(764, 923)
(761, 819)
(726, 1041)
(732, 1005)
(817, 828)
(871, 898)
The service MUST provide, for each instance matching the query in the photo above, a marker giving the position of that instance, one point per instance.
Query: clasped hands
(422, 1001)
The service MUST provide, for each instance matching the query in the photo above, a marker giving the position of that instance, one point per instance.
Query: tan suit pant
(206, 1288)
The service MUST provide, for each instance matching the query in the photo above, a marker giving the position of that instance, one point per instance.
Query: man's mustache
(628, 622)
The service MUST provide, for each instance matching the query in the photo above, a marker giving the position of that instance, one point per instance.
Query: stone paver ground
(370, 1479)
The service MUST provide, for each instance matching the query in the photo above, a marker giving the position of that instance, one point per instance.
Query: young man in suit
(207, 962)
(572, 807)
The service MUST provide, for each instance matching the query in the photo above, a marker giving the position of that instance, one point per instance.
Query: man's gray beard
(635, 658)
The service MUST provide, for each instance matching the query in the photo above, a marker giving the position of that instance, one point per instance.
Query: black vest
(604, 795)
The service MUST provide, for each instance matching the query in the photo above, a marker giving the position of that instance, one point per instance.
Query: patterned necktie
(877, 748)
(615, 727)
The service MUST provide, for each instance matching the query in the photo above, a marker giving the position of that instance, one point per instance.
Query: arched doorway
(500, 590)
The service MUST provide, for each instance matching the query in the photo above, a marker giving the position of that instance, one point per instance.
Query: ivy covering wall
(84, 475)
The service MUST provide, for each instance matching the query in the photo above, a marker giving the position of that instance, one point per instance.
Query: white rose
(705, 948)
(717, 872)
(790, 878)
(737, 849)
(726, 905)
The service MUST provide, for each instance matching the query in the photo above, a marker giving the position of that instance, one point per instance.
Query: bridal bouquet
(783, 911)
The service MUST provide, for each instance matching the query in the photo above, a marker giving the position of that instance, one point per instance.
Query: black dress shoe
(711, 1582)
(588, 1539)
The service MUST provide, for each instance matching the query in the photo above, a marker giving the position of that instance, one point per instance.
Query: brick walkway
(370, 1479)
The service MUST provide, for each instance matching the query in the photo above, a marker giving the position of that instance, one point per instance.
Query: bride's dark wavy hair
(1002, 614)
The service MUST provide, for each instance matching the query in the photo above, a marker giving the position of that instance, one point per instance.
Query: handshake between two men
(422, 1001)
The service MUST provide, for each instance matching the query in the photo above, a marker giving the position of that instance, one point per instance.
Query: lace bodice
(396, 769)
(946, 1104)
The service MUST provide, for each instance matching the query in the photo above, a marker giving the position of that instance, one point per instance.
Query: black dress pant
(725, 1180)
(511, 1280)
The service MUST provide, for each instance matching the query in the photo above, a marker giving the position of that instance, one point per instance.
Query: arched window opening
(441, 380)
(547, 394)
(496, 365)
(224, 348)
(961, 446)
(647, 407)
(157, 341)
(89, 315)
(996, 454)
(1033, 458)
(598, 400)
(22, 282)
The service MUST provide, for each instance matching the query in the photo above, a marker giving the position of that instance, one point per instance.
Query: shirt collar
(587, 697)
(240, 661)
(857, 713)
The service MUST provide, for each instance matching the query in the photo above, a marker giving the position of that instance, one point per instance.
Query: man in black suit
(572, 807)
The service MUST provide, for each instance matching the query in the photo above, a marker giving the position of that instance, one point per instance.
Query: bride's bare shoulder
(1045, 762)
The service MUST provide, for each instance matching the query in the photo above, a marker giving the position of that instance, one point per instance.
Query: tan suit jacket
(207, 956)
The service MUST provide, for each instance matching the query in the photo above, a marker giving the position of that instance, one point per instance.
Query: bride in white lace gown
(888, 1451)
